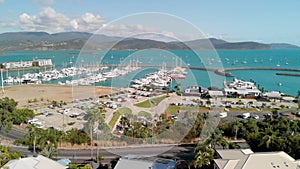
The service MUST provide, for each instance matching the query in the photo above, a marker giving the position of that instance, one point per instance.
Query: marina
(115, 68)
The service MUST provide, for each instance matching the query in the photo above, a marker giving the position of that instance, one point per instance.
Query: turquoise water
(207, 58)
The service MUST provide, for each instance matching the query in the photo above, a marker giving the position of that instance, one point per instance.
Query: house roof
(233, 153)
(38, 162)
(136, 162)
(246, 159)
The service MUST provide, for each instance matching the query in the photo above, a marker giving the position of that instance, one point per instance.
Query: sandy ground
(46, 93)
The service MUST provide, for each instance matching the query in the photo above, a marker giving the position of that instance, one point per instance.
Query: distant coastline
(42, 41)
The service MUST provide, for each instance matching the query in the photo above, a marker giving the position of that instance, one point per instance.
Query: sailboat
(278, 64)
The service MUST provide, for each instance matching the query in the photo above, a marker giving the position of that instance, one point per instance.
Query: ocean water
(283, 58)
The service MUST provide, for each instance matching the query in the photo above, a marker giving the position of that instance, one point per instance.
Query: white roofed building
(135, 162)
(35, 162)
(241, 89)
(246, 159)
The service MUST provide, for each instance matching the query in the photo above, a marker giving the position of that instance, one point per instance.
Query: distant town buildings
(27, 64)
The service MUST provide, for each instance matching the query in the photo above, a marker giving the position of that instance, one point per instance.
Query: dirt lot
(41, 94)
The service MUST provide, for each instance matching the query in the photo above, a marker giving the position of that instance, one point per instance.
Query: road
(13, 134)
(79, 155)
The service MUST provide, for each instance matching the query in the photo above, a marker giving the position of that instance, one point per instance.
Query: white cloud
(88, 22)
(1, 1)
(51, 21)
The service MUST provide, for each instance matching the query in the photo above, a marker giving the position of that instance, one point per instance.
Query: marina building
(21, 64)
(194, 91)
(42, 62)
(241, 89)
(27, 64)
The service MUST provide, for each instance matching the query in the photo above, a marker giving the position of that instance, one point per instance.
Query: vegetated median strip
(151, 102)
(116, 117)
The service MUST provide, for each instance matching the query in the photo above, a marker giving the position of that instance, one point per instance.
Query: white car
(32, 121)
(255, 116)
(223, 115)
(246, 115)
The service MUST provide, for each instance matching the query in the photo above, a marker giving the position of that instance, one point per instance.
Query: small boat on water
(278, 64)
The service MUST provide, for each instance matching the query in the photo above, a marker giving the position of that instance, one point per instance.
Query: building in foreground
(246, 159)
(137, 162)
(34, 162)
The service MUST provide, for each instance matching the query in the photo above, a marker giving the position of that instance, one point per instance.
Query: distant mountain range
(76, 40)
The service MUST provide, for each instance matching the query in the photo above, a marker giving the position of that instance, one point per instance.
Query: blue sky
(233, 20)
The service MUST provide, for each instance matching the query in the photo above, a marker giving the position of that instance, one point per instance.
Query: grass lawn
(145, 114)
(172, 109)
(125, 111)
(151, 102)
(121, 111)
(114, 119)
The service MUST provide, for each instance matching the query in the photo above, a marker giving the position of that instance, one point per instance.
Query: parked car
(246, 115)
(255, 116)
(223, 115)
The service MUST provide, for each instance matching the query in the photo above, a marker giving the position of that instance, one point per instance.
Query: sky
(263, 21)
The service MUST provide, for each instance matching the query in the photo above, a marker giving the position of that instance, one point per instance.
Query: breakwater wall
(224, 71)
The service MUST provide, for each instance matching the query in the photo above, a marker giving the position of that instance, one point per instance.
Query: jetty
(219, 71)
(288, 74)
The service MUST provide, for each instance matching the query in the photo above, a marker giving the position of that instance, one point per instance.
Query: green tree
(6, 155)
(203, 159)
(22, 115)
(7, 108)
(31, 136)
(49, 151)
(75, 136)
(216, 138)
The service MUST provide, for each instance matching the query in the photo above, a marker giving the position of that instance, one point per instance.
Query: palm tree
(6, 155)
(49, 151)
(236, 126)
(203, 159)
(32, 134)
(216, 138)
(268, 138)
